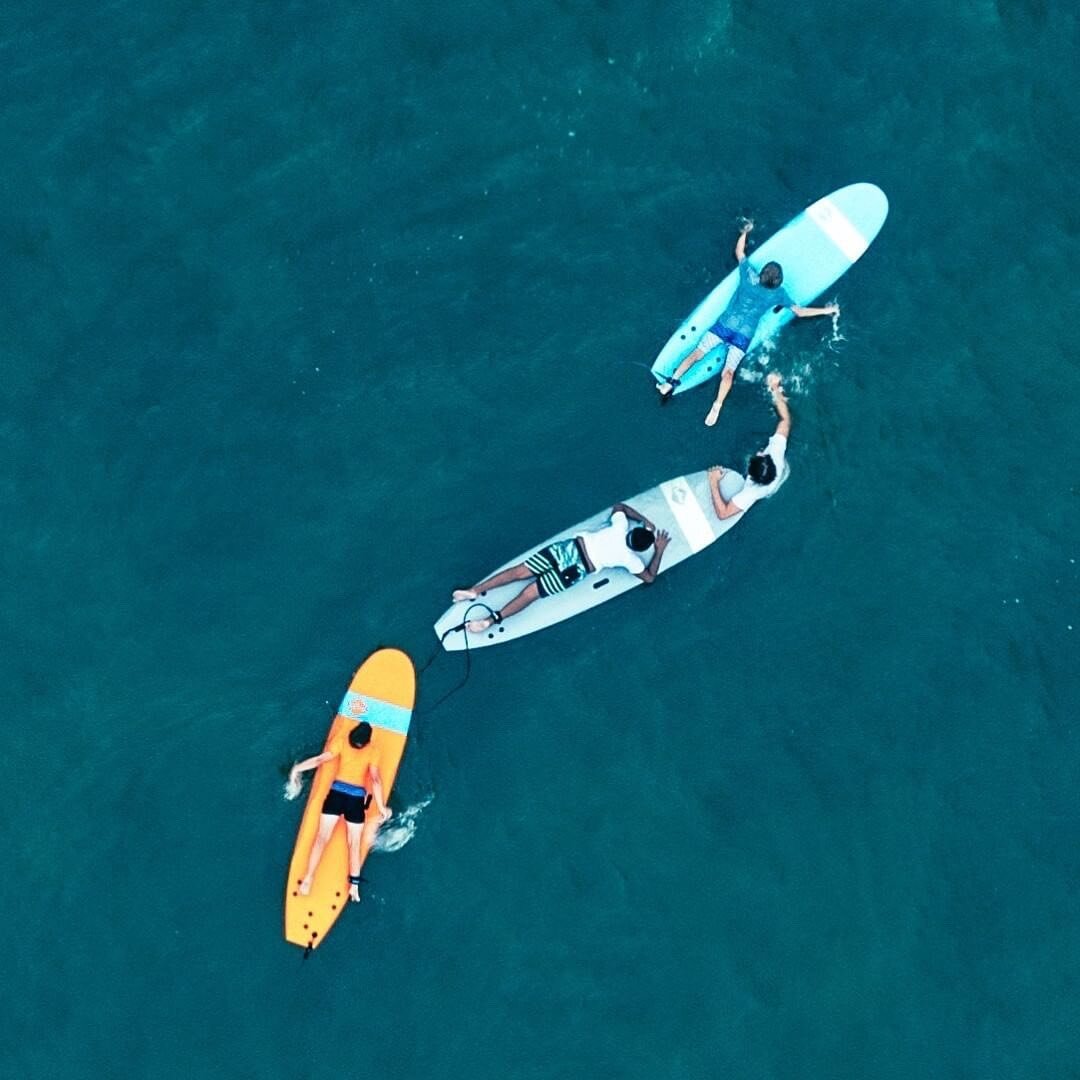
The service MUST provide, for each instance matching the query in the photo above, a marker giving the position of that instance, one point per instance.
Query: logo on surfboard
(353, 705)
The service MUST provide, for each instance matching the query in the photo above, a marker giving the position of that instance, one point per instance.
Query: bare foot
(714, 415)
(478, 626)
(305, 886)
(463, 594)
(354, 893)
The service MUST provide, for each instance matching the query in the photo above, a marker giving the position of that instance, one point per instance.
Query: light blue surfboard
(682, 506)
(815, 250)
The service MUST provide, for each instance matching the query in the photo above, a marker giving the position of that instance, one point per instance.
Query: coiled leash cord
(439, 648)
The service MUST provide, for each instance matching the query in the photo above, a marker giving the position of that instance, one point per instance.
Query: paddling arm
(310, 763)
(809, 312)
(377, 791)
(740, 244)
(780, 403)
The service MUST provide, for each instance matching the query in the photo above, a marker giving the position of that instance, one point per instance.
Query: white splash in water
(401, 828)
(837, 337)
(798, 383)
(292, 788)
(763, 356)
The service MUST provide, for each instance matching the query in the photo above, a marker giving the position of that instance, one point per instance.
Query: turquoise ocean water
(312, 312)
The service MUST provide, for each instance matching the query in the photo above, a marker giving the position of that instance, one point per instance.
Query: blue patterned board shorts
(558, 566)
(730, 337)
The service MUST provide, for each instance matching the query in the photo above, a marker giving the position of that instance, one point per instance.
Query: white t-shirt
(751, 492)
(607, 547)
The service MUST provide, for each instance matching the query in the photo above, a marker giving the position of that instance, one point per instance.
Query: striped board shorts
(558, 566)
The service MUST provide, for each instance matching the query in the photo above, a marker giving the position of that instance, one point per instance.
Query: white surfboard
(682, 506)
(815, 249)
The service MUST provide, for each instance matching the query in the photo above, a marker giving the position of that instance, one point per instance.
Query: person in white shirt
(563, 563)
(765, 468)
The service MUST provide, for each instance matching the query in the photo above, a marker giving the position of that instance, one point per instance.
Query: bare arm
(636, 515)
(377, 791)
(723, 508)
(806, 312)
(310, 763)
(648, 575)
(780, 404)
(740, 244)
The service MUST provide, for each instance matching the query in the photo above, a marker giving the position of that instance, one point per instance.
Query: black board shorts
(351, 806)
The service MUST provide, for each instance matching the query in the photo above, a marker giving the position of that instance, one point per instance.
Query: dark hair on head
(360, 735)
(771, 276)
(762, 469)
(640, 539)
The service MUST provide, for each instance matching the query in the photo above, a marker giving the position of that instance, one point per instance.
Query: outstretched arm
(740, 244)
(648, 575)
(635, 515)
(780, 404)
(310, 763)
(806, 312)
(377, 792)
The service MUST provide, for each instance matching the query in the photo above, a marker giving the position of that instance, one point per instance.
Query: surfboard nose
(865, 205)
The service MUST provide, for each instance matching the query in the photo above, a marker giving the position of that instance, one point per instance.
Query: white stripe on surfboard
(831, 221)
(688, 513)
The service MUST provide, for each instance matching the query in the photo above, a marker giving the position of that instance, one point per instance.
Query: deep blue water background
(314, 311)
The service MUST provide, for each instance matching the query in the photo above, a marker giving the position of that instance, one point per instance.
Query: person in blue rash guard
(756, 294)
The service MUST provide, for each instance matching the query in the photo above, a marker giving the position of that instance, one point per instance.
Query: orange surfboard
(382, 692)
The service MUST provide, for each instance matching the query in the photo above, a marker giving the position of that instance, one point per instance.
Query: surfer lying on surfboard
(357, 782)
(757, 293)
(764, 473)
(555, 568)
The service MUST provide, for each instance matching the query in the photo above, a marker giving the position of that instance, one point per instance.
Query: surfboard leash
(439, 648)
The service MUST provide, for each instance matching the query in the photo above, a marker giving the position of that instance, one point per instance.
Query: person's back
(753, 298)
(353, 762)
(611, 546)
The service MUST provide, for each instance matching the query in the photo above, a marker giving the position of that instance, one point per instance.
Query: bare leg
(522, 600)
(353, 832)
(322, 838)
(503, 577)
(690, 360)
(731, 363)
(685, 365)
(725, 388)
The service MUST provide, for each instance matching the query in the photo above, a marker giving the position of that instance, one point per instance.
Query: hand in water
(773, 381)
(747, 227)
(832, 309)
(292, 787)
